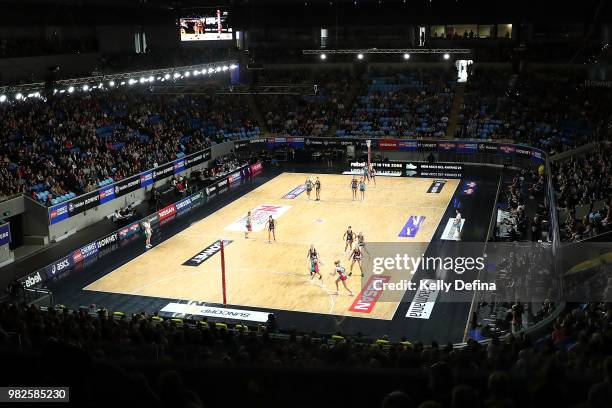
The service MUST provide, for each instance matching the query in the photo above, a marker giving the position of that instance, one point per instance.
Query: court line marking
(275, 178)
(332, 299)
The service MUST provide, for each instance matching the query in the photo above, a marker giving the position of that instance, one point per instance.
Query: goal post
(223, 288)
(369, 144)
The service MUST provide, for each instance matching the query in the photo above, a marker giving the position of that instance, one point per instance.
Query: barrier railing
(66, 209)
(164, 215)
(447, 150)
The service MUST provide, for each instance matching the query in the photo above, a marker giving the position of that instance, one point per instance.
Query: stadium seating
(496, 372)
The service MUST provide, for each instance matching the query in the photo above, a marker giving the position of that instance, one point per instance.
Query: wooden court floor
(275, 276)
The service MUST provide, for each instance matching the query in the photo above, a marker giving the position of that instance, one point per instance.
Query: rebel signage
(32, 279)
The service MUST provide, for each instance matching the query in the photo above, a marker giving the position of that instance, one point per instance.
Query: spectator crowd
(76, 144)
(175, 364)
(583, 185)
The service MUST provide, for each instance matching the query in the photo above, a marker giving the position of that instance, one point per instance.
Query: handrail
(484, 250)
(569, 153)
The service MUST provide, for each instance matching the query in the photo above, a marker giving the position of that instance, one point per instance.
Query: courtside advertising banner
(127, 186)
(201, 310)
(166, 212)
(445, 146)
(163, 171)
(5, 234)
(146, 179)
(107, 194)
(104, 245)
(179, 166)
(256, 168)
(58, 213)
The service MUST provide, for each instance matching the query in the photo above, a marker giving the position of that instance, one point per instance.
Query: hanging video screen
(212, 26)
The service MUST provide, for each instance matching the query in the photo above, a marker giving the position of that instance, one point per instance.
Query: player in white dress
(148, 231)
(341, 277)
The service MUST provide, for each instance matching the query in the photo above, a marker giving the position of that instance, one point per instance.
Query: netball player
(456, 226)
(372, 174)
(362, 188)
(354, 188)
(355, 257)
(308, 187)
(361, 243)
(198, 27)
(271, 223)
(365, 173)
(318, 189)
(348, 236)
(249, 225)
(341, 277)
(148, 233)
(313, 256)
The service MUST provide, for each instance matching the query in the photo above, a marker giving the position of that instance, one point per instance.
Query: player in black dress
(348, 236)
(271, 223)
(355, 257)
(354, 188)
(318, 189)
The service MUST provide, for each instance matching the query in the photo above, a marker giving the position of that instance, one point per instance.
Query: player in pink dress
(313, 257)
(249, 225)
(341, 277)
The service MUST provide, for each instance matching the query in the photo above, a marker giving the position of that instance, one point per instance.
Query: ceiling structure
(313, 12)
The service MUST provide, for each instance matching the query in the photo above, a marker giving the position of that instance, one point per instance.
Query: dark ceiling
(248, 13)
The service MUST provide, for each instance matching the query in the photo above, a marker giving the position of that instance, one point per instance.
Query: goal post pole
(223, 287)
(369, 144)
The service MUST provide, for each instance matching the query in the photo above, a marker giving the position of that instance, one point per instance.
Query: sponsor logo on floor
(259, 217)
(412, 226)
(186, 310)
(295, 192)
(423, 303)
(436, 186)
(207, 253)
(367, 298)
(452, 230)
